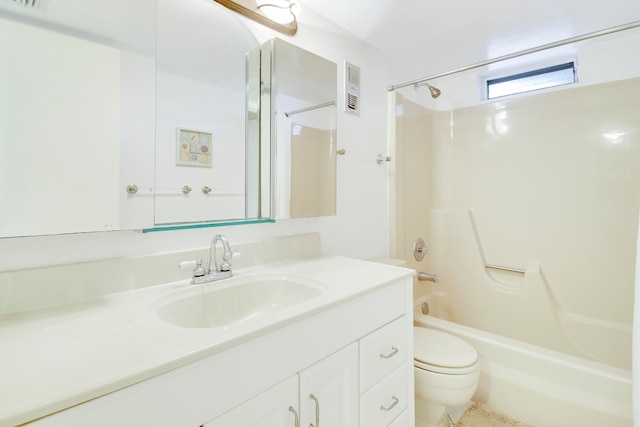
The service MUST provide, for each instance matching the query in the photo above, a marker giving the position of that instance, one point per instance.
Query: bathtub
(542, 387)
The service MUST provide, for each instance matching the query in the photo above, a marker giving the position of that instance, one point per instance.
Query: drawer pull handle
(315, 399)
(295, 414)
(394, 351)
(390, 407)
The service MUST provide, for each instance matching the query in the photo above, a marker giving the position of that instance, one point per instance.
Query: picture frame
(193, 148)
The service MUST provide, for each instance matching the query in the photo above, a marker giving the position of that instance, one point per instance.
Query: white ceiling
(431, 37)
(428, 37)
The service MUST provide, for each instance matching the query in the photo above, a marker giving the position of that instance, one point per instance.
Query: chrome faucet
(214, 271)
(427, 277)
(226, 256)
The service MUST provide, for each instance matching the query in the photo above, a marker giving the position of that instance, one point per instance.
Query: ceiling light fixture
(280, 11)
(279, 15)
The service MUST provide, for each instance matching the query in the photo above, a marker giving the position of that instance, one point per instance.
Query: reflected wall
(202, 114)
(76, 117)
(303, 127)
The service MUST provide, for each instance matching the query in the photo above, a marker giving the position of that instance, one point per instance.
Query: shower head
(435, 92)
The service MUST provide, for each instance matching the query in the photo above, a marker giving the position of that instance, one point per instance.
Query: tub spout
(427, 277)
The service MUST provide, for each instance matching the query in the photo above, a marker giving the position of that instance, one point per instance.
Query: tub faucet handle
(420, 249)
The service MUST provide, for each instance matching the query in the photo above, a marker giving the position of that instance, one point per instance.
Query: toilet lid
(442, 352)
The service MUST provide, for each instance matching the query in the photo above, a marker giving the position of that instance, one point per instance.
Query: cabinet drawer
(401, 421)
(386, 400)
(382, 351)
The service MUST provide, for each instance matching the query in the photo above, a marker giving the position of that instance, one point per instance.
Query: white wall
(360, 229)
(599, 60)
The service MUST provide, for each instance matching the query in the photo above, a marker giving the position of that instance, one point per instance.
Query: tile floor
(456, 413)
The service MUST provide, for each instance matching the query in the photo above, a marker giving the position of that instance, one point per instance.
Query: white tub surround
(64, 355)
(636, 339)
(522, 304)
(516, 376)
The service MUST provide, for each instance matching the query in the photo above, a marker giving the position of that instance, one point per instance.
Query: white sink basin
(239, 299)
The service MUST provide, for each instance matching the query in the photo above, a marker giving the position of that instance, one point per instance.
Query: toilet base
(436, 393)
(430, 415)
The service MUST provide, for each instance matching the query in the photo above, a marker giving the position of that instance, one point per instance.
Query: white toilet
(446, 375)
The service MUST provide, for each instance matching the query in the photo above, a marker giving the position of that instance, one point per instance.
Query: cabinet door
(276, 407)
(329, 394)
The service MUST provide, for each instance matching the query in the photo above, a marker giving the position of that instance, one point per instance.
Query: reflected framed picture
(193, 148)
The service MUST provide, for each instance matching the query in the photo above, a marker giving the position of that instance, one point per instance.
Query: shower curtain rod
(521, 53)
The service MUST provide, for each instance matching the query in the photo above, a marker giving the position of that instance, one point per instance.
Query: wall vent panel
(351, 89)
(30, 4)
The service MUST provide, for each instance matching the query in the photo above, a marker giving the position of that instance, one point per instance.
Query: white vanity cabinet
(370, 375)
(385, 356)
(353, 357)
(327, 391)
(276, 407)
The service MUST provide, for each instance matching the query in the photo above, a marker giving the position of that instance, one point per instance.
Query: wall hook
(382, 158)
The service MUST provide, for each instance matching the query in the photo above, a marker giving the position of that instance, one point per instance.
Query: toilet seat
(443, 353)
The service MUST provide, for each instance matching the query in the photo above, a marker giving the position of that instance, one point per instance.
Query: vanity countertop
(58, 357)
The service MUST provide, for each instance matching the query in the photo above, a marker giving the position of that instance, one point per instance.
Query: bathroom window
(542, 78)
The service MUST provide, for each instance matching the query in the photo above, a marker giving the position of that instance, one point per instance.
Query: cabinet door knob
(394, 351)
(315, 399)
(295, 415)
(390, 407)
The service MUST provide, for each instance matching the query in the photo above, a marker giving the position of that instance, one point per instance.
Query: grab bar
(499, 267)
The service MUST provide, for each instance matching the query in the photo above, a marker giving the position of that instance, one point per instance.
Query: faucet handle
(198, 271)
(226, 265)
(187, 264)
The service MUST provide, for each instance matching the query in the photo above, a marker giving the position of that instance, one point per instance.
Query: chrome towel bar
(313, 107)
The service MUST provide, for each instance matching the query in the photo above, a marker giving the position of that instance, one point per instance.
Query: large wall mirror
(207, 123)
(303, 126)
(100, 129)
(76, 115)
